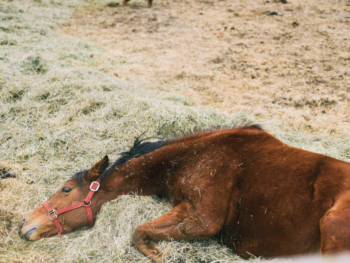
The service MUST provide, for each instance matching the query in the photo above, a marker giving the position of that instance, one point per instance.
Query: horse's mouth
(28, 233)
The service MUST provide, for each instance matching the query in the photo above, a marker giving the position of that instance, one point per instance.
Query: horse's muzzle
(27, 233)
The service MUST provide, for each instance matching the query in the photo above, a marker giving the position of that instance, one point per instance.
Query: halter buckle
(94, 183)
(53, 211)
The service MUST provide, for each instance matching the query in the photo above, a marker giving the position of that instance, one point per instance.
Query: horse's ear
(97, 169)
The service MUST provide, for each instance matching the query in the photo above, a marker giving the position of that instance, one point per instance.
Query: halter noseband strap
(52, 213)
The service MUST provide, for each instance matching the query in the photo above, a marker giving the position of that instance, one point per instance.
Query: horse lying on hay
(256, 194)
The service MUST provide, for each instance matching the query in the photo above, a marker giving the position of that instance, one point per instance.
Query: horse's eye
(66, 190)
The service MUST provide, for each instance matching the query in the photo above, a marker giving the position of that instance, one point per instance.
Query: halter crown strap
(52, 213)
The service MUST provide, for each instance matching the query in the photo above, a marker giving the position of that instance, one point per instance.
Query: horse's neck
(143, 176)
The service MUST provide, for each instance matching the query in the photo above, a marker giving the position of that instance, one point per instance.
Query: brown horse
(256, 194)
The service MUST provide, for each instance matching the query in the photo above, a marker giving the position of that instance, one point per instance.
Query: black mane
(256, 126)
(140, 148)
(79, 177)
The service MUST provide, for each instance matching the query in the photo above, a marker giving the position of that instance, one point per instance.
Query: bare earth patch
(234, 55)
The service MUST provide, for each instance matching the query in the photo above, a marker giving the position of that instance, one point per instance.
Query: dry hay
(61, 110)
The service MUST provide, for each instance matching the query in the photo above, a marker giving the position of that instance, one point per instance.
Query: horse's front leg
(182, 222)
(335, 227)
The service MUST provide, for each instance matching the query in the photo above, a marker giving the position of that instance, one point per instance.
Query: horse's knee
(136, 237)
(335, 231)
(140, 237)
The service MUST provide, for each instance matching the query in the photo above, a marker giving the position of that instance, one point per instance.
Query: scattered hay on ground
(61, 110)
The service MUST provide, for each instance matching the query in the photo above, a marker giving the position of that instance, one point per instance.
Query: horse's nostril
(21, 224)
(20, 227)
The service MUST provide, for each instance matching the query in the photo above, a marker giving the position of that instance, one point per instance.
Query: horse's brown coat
(258, 195)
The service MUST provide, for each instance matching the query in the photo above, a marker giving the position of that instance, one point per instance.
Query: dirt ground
(233, 55)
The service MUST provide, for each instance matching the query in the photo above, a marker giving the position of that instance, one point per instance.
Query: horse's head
(42, 222)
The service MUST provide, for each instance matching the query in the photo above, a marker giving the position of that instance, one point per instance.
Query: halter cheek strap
(52, 213)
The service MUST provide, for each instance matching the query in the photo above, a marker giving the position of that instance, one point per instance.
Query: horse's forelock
(79, 177)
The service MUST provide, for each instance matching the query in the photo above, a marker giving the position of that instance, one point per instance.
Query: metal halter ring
(53, 211)
(85, 204)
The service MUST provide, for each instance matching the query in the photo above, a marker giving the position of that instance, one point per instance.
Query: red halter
(95, 185)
